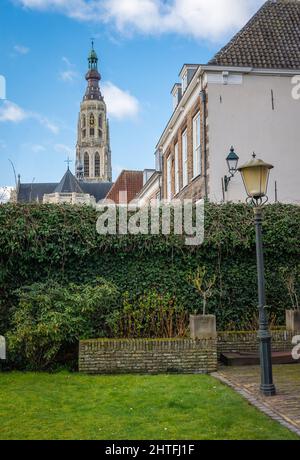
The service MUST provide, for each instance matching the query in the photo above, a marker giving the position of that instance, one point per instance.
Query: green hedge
(41, 242)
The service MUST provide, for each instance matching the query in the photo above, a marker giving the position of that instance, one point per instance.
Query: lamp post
(255, 175)
(232, 162)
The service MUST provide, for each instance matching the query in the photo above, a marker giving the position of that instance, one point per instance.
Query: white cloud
(68, 75)
(36, 148)
(66, 61)
(206, 19)
(85, 10)
(21, 49)
(120, 104)
(5, 194)
(11, 112)
(45, 122)
(65, 149)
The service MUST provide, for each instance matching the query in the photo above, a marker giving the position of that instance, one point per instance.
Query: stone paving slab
(284, 407)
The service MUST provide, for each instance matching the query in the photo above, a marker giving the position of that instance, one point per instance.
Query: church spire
(93, 58)
(93, 77)
(93, 153)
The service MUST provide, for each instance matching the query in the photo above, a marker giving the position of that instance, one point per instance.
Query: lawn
(172, 407)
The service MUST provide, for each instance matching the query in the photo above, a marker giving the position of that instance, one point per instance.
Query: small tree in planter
(291, 279)
(202, 326)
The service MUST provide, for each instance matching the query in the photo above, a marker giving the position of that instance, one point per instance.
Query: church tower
(93, 154)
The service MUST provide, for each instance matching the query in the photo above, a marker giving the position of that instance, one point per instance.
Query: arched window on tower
(103, 168)
(83, 126)
(86, 165)
(100, 126)
(92, 125)
(97, 164)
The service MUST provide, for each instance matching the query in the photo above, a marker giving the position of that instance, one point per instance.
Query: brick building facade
(195, 186)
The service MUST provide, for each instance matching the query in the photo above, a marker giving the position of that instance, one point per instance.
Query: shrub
(51, 317)
(38, 242)
(152, 315)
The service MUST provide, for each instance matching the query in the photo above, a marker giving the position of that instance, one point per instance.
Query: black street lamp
(232, 162)
(255, 175)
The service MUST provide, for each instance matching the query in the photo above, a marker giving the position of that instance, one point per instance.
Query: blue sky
(142, 44)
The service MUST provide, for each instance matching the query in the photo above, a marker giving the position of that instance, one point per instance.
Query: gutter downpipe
(203, 100)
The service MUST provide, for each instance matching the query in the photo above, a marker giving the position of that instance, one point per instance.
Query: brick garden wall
(104, 356)
(155, 356)
(248, 341)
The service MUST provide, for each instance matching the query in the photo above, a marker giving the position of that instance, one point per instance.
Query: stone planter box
(292, 320)
(203, 327)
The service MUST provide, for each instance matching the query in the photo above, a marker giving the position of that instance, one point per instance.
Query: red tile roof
(126, 187)
(271, 39)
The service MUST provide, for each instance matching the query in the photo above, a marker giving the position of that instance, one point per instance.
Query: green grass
(74, 406)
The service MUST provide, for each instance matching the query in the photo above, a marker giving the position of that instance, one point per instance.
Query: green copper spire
(93, 58)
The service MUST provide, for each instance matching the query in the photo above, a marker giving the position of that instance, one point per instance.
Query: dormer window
(177, 94)
(158, 160)
(184, 81)
(186, 74)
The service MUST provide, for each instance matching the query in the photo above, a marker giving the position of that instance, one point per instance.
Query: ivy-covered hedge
(41, 242)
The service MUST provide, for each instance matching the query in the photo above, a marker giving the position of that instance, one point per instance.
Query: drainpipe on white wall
(203, 100)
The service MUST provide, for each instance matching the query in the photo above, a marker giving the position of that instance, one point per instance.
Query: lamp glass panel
(256, 181)
(232, 165)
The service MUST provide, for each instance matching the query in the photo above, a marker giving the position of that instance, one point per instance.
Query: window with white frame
(176, 170)
(184, 159)
(196, 145)
(169, 178)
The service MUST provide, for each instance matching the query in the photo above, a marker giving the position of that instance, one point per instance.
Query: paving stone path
(284, 407)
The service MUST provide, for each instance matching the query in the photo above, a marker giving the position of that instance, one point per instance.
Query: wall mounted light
(232, 162)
